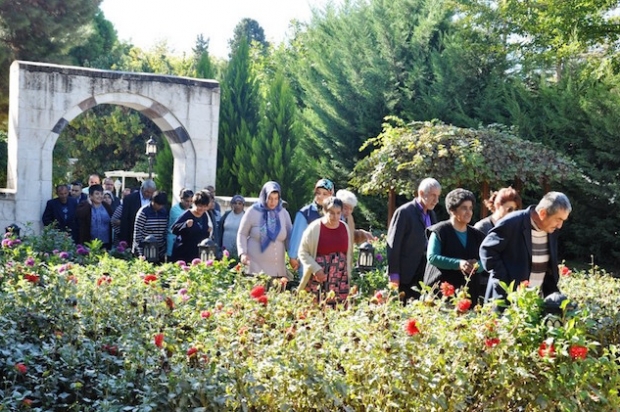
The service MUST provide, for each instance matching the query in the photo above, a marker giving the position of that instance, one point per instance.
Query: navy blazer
(506, 253)
(406, 243)
(131, 204)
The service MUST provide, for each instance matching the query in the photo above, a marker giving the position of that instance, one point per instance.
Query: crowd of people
(510, 246)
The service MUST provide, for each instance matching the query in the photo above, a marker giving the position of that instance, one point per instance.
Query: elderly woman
(452, 254)
(229, 225)
(326, 252)
(500, 203)
(191, 228)
(349, 202)
(264, 233)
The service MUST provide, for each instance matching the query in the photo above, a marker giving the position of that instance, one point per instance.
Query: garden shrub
(109, 334)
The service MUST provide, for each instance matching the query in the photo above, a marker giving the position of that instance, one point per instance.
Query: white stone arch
(44, 98)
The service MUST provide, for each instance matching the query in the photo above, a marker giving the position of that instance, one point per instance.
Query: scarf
(270, 225)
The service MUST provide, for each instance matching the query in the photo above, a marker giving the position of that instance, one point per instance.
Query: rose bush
(206, 337)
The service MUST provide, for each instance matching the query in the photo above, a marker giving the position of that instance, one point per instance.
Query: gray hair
(347, 197)
(427, 184)
(553, 202)
(457, 197)
(148, 184)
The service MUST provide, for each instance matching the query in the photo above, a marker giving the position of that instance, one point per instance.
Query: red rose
(578, 352)
(32, 278)
(104, 279)
(150, 278)
(491, 342)
(159, 340)
(205, 314)
(447, 289)
(546, 350)
(263, 299)
(463, 305)
(192, 352)
(257, 291)
(411, 327)
(524, 284)
(21, 368)
(27, 402)
(565, 271)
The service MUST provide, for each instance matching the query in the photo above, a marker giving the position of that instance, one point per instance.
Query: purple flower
(379, 257)
(226, 253)
(55, 251)
(7, 243)
(123, 244)
(81, 250)
(29, 261)
(209, 262)
(180, 263)
(183, 291)
(63, 255)
(17, 241)
(120, 248)
(185, 298)
(196, 261)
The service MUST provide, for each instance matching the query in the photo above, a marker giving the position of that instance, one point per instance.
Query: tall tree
(273, 154)
(239, 115)
(99, 45)
(251, 31)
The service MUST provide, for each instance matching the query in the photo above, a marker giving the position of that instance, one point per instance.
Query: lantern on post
(150, 249)
(151, 152)
(208, 250)
(12, 229)
(366, 258)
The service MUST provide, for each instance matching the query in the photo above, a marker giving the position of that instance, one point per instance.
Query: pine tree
(239, 109)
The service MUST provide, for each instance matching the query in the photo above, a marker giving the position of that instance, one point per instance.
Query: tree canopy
(457, 157)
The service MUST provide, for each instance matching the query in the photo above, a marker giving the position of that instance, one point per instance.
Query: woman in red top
(326, 253)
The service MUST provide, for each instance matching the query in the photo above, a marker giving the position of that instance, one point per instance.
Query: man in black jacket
(61, 211)
(131, 204)
(406, 239)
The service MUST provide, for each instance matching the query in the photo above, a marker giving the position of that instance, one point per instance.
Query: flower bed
(109, 334)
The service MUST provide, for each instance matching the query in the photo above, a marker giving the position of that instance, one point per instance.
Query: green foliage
(88, 335)
(239, 116)
(250, 31)
(164, 166)
(99, 45)
(457, 157)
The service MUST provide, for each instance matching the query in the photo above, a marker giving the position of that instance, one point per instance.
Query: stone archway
(44, 98)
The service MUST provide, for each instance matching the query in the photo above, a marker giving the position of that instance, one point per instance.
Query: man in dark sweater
(60, 211)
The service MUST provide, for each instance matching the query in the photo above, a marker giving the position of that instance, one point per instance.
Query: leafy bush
(113, 335)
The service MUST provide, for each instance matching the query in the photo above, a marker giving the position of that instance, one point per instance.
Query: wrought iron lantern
(366, 257)
(12, 229)
(150, 249)
(208, 250)
(151, 152)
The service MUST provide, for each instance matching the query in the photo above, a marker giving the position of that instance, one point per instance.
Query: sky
(179, 22)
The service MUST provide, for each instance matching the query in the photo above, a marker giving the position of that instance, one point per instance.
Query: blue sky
(145, 22)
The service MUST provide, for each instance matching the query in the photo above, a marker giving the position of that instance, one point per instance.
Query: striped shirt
(540, 255)
(150, 222)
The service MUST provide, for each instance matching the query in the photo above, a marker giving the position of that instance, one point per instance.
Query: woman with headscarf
(229, 225)
(264, 233)
(326, 253)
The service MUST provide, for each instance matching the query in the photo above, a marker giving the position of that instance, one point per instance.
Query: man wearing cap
(229, 225)
(406, 238)
(306, 215)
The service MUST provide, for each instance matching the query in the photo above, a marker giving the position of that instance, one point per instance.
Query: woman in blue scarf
(264, 234)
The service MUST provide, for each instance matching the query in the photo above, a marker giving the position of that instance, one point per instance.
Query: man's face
(93, 180)
(156, 206)
(347, 210)
(186, 202)
(550, 223)
(108, 184)
(76, 191)
(63, 194)
(430, 198)
(147, 193)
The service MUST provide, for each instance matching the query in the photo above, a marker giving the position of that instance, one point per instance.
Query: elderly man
(524, 246)
(406, 238)
(131, 204)
(61, 212)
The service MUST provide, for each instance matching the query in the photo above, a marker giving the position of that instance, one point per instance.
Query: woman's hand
(465, 266)
(320, 276)
(294, 263)
(244, 259)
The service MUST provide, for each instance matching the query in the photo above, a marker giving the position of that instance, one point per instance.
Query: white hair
(427, 184)
(347, 197)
